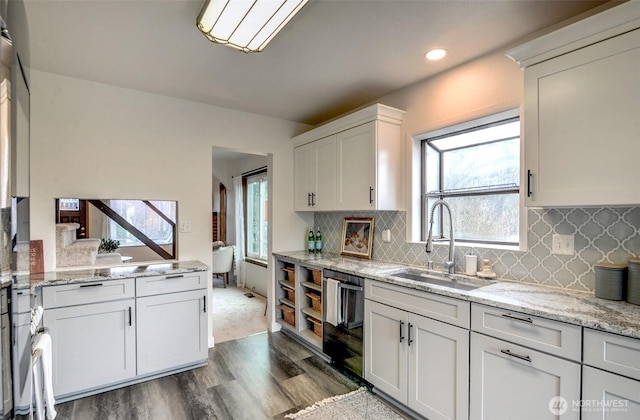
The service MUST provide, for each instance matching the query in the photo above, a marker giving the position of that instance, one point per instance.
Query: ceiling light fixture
(436, 54)
(247, 25)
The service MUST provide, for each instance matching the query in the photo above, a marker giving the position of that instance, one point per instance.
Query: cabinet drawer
(83, 293)
(612, 352)
(158, 285)
(441, 308)
(609, 396)
(538, 333)
(20, 301)
(508, 381)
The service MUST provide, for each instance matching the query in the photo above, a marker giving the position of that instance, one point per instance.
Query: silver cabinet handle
(370, 195)
(91, 285)
(401, 335)
(177, 276)
(409, 341)
(517, 356)
(308, 199)
(313, 199)
(517, 318)
(204, 300)
(130, 317)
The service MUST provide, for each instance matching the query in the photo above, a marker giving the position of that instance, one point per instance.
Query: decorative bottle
(311, 241)
(318, 241)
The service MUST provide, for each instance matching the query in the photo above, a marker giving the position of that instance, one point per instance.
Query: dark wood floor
(264, 376)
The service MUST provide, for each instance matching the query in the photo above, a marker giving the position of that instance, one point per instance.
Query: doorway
(239, 310)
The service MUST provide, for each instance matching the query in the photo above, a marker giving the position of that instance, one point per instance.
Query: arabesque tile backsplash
(601, 235)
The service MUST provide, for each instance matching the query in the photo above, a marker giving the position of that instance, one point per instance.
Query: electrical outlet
(563, 245)
(386, 235)
(185, 227)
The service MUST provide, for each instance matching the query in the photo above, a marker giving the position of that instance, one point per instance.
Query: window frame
(114, 227)
(427, 139)
(263, 175)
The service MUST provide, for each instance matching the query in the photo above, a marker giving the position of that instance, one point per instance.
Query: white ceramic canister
(471, 264)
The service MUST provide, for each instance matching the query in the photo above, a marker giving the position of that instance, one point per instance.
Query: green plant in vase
(108, 245)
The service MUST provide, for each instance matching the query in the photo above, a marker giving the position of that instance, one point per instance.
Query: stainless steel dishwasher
(342, 342)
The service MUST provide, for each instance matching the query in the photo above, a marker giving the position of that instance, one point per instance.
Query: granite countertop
(54, 278)
(574, 307)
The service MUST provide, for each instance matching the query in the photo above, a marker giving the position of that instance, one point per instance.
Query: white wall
(92, 140)
(486, 86)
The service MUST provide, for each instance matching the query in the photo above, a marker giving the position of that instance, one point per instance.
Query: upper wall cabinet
(315, 175)
(582, 112)
(353, 163)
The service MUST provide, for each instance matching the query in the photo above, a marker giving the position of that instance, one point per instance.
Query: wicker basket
(288, 315)
(291, 294)
(317, 326)
(290, 274)
(316, 301)
(317, 276)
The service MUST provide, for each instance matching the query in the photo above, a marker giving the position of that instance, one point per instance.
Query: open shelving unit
(299, 287)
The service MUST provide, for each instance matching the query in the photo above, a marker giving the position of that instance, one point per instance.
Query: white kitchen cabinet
(21, 350)
(112, 332)
(606, 396)
(92, 345)
(581, 101)
(511, 381)
(315, 175)
(420, 362)
(611, 376)
(371, 167)
(385, 360)
(171, 330)
(359, 163)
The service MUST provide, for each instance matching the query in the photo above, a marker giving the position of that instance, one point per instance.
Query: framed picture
(357, 237)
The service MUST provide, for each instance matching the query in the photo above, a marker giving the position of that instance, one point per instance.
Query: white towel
(334, 303)
(43, 342)
(36, 317)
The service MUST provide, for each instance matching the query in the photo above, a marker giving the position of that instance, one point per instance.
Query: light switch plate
(563, 245)
(386, 235)
(185, 227)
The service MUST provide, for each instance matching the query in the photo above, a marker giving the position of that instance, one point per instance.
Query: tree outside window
(477, 172)
(257, 216)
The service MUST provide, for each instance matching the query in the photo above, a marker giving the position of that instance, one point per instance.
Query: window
(475, 168)
(257, 216)
(145, 216)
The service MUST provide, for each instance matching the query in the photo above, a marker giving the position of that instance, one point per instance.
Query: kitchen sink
(431, 278)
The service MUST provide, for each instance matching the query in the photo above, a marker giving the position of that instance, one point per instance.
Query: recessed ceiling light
(436, 54)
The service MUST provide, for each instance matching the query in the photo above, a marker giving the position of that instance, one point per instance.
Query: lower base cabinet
(607, 396)
(172, 330)
(418, 361)
(511, 381)
(106, 334)
(92, 345)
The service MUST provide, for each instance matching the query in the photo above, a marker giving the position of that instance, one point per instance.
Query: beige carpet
(236, 315)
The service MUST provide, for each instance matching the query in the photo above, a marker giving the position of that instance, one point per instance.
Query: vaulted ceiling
(334, 56)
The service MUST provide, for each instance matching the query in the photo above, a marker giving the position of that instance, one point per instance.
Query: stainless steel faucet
(450, 265)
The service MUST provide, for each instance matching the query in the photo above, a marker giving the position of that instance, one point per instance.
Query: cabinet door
(304, 172)
(385, 347)
(438, 369)
(510, 381)
(92, 345)
(607, 396)
(172, 330)
(356, 168)
(582, 126)
(325, 175)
